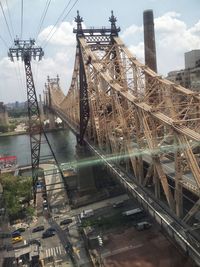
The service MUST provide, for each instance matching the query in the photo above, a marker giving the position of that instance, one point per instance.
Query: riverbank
(12, 133)
(25, 132)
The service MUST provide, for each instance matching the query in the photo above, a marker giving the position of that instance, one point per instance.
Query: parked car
(118, 204)
(16, 233)
(51, 229)
(17, 239)
(66, 221)
(48, 234)
(143, 225)
(35, 241)
(69, 247)
(21, 229)
(38, 229)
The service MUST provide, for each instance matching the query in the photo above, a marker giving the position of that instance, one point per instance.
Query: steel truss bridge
(136, 122)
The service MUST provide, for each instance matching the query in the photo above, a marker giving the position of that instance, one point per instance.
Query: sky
(177, 30)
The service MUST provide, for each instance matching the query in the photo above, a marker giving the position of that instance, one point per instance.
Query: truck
(132, 212)
(86, 213)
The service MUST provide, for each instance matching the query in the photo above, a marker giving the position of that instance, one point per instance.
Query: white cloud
(138, 51)
(62, 35)
(60, 61)
(173, 39)
(133, 29)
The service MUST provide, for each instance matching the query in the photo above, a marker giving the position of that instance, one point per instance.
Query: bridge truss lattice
(139, 118)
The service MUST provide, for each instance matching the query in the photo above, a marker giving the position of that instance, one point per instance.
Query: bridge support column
(156, 184)
(51, 120)
(86, 183)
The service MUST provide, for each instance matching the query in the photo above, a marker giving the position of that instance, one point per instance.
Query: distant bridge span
(123, 108)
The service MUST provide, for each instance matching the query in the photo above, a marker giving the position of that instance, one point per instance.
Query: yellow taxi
(16, 239)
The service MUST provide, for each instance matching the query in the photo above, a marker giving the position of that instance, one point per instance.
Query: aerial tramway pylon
(26, 50)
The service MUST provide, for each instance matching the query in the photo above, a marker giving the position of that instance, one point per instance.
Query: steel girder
(137, 116)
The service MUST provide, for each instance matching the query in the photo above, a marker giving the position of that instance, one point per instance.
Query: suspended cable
(22, 14)
(4, 42)
(57, 21)
(8, 28)
(9, 16)
(61, 21)
(44, 13)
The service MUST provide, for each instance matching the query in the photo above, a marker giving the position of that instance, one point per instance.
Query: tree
(3, 128)
(17, 195)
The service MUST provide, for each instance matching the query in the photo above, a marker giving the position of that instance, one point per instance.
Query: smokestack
(149, 40)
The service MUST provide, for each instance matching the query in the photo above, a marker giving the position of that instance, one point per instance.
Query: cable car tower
(26, 50)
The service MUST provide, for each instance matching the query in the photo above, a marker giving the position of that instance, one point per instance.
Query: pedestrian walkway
(53, 252)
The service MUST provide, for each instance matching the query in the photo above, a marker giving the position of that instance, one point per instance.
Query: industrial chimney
(149, 40)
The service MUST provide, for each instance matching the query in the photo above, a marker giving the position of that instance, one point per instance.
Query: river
(63, 143)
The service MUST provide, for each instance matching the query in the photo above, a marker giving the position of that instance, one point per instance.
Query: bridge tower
(27, 50)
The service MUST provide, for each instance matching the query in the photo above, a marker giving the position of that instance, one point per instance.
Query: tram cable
(8, 28)
(54, 29)
(44, 13)
(9, 16)
(22, 15)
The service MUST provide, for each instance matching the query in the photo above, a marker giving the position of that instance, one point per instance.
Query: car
(51, 229)
(45, 206)
(35, 241)
(66, 221)
(48, 234)
(17, 239)
(118, 204)
(16, 233)
(143, 225)
(21, 229)
(38, 229)
(69, 247)
(44, 195)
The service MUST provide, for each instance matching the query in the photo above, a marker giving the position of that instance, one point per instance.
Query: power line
(8, 28)
(48, 36)
(48, 2)
(9, 16)
(4, 42)
(22, 14)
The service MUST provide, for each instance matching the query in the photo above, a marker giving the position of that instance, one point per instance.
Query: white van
(86, 213)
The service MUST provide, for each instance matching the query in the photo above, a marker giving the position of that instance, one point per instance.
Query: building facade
(190, 76)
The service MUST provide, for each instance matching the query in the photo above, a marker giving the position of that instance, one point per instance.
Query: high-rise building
(190, 76)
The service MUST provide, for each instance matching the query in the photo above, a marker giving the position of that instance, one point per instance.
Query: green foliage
(17, 191)
(17, 112)
(3, 128)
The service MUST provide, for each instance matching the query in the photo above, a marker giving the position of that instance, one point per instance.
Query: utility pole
(26, 50)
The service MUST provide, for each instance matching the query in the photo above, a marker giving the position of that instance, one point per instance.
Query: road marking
(55, 251)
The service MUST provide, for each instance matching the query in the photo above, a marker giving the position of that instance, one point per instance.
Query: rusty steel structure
(146, 124)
